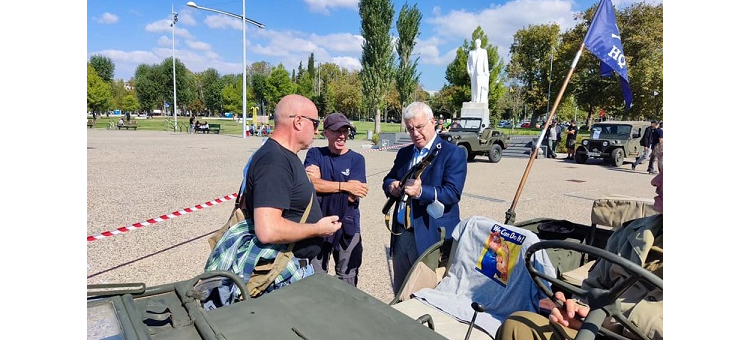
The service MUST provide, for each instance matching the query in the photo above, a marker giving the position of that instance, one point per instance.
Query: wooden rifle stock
(413, 173)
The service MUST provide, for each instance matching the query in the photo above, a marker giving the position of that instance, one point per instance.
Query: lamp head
(192, 4)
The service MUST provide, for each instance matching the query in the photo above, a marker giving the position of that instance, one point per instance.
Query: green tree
(345, 93)
(183, 84)
(147, 87)
(97, 91)
(130, 103)
(305, 85)
(259, 72)
(119, 92)
(209, 92)
(231, 95)
(377, 53)
(330, 75)
(407, 78)
(104, 67)
(278, 85)
(531, 52)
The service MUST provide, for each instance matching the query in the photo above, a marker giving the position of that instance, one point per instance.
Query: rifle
(413, 173)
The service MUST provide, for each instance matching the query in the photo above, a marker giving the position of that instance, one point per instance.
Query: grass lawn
(230, 127)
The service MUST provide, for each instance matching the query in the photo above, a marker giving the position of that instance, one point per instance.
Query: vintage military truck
(475, 137)
(612, 141)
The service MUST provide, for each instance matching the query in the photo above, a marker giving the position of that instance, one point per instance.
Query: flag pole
(510, 215)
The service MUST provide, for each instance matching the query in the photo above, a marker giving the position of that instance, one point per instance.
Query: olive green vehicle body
(613, 142)
(477, 140)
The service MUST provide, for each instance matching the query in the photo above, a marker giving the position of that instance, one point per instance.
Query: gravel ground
(135, 176)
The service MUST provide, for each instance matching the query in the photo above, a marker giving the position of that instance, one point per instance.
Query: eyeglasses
(417, 128)
(315, 122)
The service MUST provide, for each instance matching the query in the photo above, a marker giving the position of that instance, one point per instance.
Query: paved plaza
(137, 176)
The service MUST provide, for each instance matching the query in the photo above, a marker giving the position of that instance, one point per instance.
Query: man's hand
(355, 188)
(413, 187)
(395, 188)
(568, 317)
(313, 171)
(328, 225)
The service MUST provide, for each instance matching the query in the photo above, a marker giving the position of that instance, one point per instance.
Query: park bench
(128, 125)
(90, 123)
(214, 128)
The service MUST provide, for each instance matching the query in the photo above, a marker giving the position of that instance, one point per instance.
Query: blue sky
(137, 32)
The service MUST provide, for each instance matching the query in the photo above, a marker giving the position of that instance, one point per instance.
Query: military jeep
(475, 138)
(612, 141)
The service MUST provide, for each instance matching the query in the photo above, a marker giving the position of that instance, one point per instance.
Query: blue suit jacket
(447, 175)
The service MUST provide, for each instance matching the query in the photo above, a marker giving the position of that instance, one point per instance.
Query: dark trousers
(347, 259)
(651, 161)
(403, 253)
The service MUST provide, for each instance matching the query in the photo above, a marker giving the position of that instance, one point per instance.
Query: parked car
(525, 125)
(504, 124)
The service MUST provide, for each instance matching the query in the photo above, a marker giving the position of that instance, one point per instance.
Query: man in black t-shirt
(646, 143)
(278, 191)
(656, 138)
(570, 142)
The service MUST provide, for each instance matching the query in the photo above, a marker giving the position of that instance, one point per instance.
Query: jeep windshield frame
(469, 124)
(611, 131)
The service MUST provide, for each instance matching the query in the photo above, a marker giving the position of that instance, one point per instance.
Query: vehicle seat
(609, 213)
(472, 276)
(485, 137)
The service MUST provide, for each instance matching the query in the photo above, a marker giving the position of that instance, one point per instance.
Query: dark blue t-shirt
(339, 168)
(657, 134)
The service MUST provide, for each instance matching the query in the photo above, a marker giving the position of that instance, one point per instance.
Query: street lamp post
(174, 74)
(244, 59)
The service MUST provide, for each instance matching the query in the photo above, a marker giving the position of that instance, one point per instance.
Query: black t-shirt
(277, 179)
(575, 132)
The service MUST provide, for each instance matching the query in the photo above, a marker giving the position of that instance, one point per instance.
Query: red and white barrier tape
(387, 148)
(161, 218)
(189, 210)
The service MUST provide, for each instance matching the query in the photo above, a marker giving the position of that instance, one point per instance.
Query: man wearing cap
(338, 174)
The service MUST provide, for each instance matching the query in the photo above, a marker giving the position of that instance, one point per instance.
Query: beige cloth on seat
(445, 324)
(614, 210)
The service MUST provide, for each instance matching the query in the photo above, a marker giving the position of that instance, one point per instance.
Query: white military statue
(479, 73)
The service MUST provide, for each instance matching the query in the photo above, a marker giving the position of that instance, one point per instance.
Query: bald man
(278, 190)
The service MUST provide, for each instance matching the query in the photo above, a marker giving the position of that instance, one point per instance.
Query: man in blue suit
(440, 184)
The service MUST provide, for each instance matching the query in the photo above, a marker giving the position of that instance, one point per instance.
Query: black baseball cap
(335, 121)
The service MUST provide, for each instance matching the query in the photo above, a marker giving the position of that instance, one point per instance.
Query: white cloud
(323, 6)
(349, 63)
(107, 18)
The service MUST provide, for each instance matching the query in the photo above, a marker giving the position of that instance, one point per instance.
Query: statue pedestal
(480, 110)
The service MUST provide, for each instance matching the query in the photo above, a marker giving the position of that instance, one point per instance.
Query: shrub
(375, 138)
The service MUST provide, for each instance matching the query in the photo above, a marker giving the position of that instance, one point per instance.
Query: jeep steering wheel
(602, 302)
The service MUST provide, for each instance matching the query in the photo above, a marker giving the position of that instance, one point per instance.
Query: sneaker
(652, 172)
(632, 166)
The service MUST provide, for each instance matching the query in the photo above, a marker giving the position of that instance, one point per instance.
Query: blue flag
(603, 40)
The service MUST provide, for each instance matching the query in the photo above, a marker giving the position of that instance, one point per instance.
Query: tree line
(524, 87)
